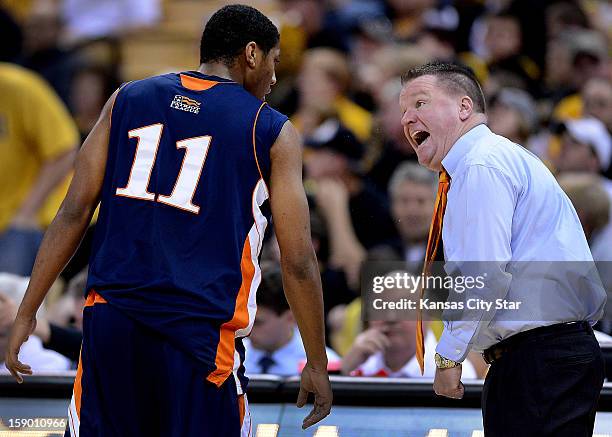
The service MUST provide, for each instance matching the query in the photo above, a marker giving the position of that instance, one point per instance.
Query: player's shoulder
(148, 84)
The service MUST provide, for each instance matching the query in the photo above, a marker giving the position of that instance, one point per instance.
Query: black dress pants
(546, 384)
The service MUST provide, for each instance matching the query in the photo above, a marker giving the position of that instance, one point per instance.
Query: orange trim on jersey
(93, 298)
(241, 409)
(254, 144)
(196, 84)
(77, 386)
(224, 361)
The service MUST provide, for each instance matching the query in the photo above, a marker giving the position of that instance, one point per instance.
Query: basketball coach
(497, 202)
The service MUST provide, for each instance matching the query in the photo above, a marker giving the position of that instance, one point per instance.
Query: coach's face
(431, 119)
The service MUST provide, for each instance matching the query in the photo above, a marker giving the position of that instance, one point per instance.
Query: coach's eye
(419, 103)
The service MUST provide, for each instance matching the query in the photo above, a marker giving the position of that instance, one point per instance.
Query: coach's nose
(408, 117)
(273, 82)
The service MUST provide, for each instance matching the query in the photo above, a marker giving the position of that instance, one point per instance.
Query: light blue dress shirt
(505, 206)
(288, 360)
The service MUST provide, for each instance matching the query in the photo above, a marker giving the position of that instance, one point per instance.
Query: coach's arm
(63, 236)
(301, 277)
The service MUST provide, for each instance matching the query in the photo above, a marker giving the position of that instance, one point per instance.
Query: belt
(496, 351)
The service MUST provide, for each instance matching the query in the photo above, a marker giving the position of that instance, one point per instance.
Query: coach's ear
(466, 107)
(251, 54)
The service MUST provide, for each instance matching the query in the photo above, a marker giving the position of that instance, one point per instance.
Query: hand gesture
(316, 382)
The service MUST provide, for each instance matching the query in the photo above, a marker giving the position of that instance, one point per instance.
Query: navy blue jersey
(184, 210)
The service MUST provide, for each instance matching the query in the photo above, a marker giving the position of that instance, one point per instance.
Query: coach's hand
(21, 330)
(316, 382)
(447, 382)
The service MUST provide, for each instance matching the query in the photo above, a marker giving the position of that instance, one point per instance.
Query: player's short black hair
(455, 77)
(271, 294)
(231, 28)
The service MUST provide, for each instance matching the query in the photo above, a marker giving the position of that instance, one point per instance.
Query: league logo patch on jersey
(185, 104)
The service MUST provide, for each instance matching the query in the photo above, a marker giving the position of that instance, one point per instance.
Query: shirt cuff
(452, 347)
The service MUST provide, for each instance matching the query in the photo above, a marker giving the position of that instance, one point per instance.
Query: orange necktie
(435, 234)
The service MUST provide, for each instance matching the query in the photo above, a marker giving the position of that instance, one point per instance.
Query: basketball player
(187, 169)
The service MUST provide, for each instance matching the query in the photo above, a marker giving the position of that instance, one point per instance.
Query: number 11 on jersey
(149, 137)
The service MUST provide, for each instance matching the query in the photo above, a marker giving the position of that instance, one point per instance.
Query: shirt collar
(456, 153)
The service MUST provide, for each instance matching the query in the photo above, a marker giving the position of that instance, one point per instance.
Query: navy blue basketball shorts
(131, 382)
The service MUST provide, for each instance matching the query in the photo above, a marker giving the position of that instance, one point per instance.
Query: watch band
(444, 363)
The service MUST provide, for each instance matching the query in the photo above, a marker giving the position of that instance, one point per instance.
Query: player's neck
(220, 70)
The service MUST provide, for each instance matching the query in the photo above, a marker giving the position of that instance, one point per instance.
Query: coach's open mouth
(419, 137)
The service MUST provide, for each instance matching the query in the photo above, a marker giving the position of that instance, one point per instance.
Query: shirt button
(457, 351)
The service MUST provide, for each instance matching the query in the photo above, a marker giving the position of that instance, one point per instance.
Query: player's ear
(251, 54)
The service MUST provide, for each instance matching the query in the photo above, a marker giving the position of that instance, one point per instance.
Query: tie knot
(444, 177)
(266, 362)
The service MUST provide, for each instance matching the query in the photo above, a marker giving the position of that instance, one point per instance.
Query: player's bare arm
(63, 236)
(301, 277)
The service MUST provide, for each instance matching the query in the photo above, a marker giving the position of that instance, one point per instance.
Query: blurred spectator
(43, 52)
(597, 100)
(388, 346)
(409, 17)
(12, 289)
(62, 329)
(11, 37)
(38, 143)
(412, 191)
(394, 148)
(572, 60)
(315, 25)
(91, 19)
(356, 215)
(383, 67)
(564, 16)
(592, 204)
(323, 85)
(512, 113)
(594, 210)
(91, 87)
(503, 43)
(438, 44)
(275, 345)
(586, 146)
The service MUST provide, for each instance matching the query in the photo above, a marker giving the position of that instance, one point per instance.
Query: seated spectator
(62, 330)
(390, 142)
(586, 146)
(388, 346)
(388, 349)
(275, 346)
(593, 207)
(90, 89)
(587, 52)
(597, 100)
(323, 85)
(43, 51)
(12, 289)
(36, 156)
(503, 42)
(512, 113)
(355, 213)
(412, 191)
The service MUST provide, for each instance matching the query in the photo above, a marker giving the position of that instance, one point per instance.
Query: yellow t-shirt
(35, 127)
(354, 117)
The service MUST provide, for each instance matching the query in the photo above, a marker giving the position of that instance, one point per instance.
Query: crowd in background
(544, 66)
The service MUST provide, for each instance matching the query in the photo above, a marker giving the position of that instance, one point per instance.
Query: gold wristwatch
(444, 363)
